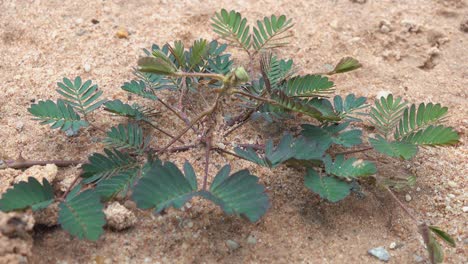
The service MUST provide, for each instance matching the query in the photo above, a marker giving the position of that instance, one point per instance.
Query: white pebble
(452, 184)
(408, 197)
(393, 245)
(87, 68)
(79, 21)
(465, 209)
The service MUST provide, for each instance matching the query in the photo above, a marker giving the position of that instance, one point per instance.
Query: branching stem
(163, 131)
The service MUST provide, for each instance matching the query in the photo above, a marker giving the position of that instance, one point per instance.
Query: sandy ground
(421, 55)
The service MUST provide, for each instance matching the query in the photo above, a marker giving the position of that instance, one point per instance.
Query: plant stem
(253, 146)
(402, 205)
(162, 131)
(353, 151)
(75, 181)
(228, 152)
(29, 163)
(258, 98)
(198, 118)
(207, 160)
(199, 74)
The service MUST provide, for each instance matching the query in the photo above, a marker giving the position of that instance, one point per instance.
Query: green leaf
(314, 108)
(163, 186)
(232, 27)
(116, 186)
(308, 86)
(288, 148)
(346, 64)
(104, 166)
(198, 52)
(127, 137)
(238, 194)
(404, 150)
(82, 215)
(413, 121)
(443, 235)
(60, 115)
(82, 96)
(333, 134)
(272, 32)
(350, 168)
(327, 187)
(159, 64)
(135, 112)
(386, 113)
(436, 252)
(433, 136)
(27, 194)
(139, 88)
(178, 51)
(348, 109)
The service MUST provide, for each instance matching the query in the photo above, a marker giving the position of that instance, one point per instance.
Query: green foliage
(328, 187)
(60, 115)
(386, 113)
(412, 121)
(164, 185)
(116, 186)
(127, 137)
(348, 109)
(272, 32)
(443, 235)
(232, 27)
(301, 148)
(139, 88)
(238, 194)
(348, 168)
(333, 134)
(82, 215)
(345, 65)
(135, 112)
(404, 150)
(27, 194)
(158, 64)
(82, 96)
(308, 86)
(104, 166)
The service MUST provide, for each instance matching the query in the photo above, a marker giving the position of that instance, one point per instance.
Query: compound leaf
(348, 109)
(164, 185)
(117, 185)
(272, 32)
(350, 168)
(127, 137)
(238, 194)
(82, 96)
(103, 166)
(433, 136)
(328, 187)
(346, 64)
(232, 27)
(198, 53)
(82, 215)
(27, 194)
(386, 113)
(158, 64)
(333, 134)
(60, 115)
(135, 112)
(397, 149)
(308, 86)
(139, 88)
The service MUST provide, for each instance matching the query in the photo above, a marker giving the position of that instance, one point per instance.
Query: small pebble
(380, 253)
(122, 33)
(393, 245)
(408, 197)
(251, 240)
(87, 68)
(19, 126)
(94, 21)
(464, 26)
(418, 189)
(71, 133)
(385, 26)
(418, 259)
(79, 21)
(232, 245)
(465, 209)
(452, 184)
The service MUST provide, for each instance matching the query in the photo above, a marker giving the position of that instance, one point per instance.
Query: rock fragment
(380, 253)
(118, 217)
(48, 172)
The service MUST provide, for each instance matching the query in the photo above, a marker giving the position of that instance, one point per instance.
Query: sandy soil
(421, 55)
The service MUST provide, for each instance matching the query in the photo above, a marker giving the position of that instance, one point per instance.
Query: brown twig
(162, 131)
(353, 151)
(75, 181)
(227, 152)
(402, 205)
(29, 163)
(207, 160)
